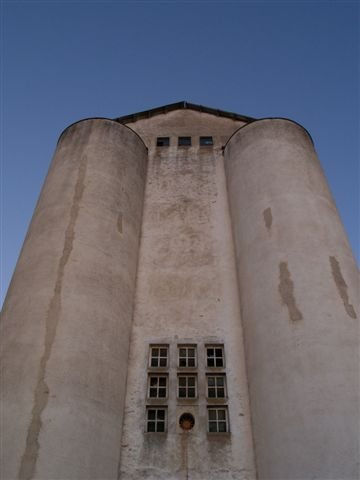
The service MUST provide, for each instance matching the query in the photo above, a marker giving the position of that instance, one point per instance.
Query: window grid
(187, 356)
(156, 420)
(218, 420)
(215, 356)
(159, 356)
(157, 386)
(187, 386)
(216, 386)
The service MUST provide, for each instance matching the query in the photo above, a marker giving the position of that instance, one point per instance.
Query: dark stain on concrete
(41, 394)
(268, 218)
(341, 286)
(286, 289)
(120, 223)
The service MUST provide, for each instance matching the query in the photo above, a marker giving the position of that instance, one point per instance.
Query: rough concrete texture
(186, 293)
(67, 317)
(298, 308)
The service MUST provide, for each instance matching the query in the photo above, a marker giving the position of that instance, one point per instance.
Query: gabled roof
(179, 106)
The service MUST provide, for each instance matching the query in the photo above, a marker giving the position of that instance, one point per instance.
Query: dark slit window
(184, 141)
(163, 141)
(206, 141)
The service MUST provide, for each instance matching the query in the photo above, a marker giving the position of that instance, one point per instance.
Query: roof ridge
(133, 117)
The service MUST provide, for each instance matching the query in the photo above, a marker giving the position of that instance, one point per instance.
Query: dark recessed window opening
(159, 356)
(163, 141)
(215, 356)
(187, 386)
(206, 141)
(184, 141)
(187, 356)
(218, 420)
(156, 420)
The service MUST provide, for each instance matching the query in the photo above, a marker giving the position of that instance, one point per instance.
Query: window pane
(162, 392)
(151, 414)
(211, 381)
(182, 392)
(161, 414)
(218, 352)
(153, 381)
(191, 362)
(221, 392)
(184, 141)
(191, 393)
(163, 141)
(153, 392)
(212, 415)
(163, 352)
(220, 381)
(154, 362)
(182, 362)
(212, 427)
(162, 381)
(191, 381)
(161, 427)
(219, 362)
(182, 352)
(222, 426)
(163, 362)
(211, 392)
(191, 352)
(206, 140)
(151, 427)
(221, 414)
(182, 381)
(210, 352)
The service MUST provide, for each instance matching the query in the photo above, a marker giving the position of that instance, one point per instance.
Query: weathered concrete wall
(298, 291)
(67, 317)
(186, 293)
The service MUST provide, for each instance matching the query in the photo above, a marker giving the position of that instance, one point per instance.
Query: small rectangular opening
(184, 141)
(206, 141)
(163, 141)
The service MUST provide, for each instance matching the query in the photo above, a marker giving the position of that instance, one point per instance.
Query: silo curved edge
(67, 317)
(300, 328)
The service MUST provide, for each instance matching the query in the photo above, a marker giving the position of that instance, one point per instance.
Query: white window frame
(156, 420)
(215, 387)
(215, 347)
(187, 387)
(187, 357)
(159, 357)
(216, 421)
(157, 387)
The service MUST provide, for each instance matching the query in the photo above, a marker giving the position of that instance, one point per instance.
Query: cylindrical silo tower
(67, 317)
(298, 288)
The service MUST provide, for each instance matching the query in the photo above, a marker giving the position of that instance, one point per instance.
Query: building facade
(184, 307)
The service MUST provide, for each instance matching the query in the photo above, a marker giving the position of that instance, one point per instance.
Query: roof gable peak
(182, 106)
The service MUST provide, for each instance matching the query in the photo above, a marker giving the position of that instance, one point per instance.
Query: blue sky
(67, 60)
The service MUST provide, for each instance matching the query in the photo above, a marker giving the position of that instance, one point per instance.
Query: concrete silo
(185, 291)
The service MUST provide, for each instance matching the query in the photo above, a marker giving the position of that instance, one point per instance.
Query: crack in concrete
(41, 394)
(286, 289)
(341, 286)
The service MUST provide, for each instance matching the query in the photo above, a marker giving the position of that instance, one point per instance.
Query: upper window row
(187, 357)
(184, 141)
